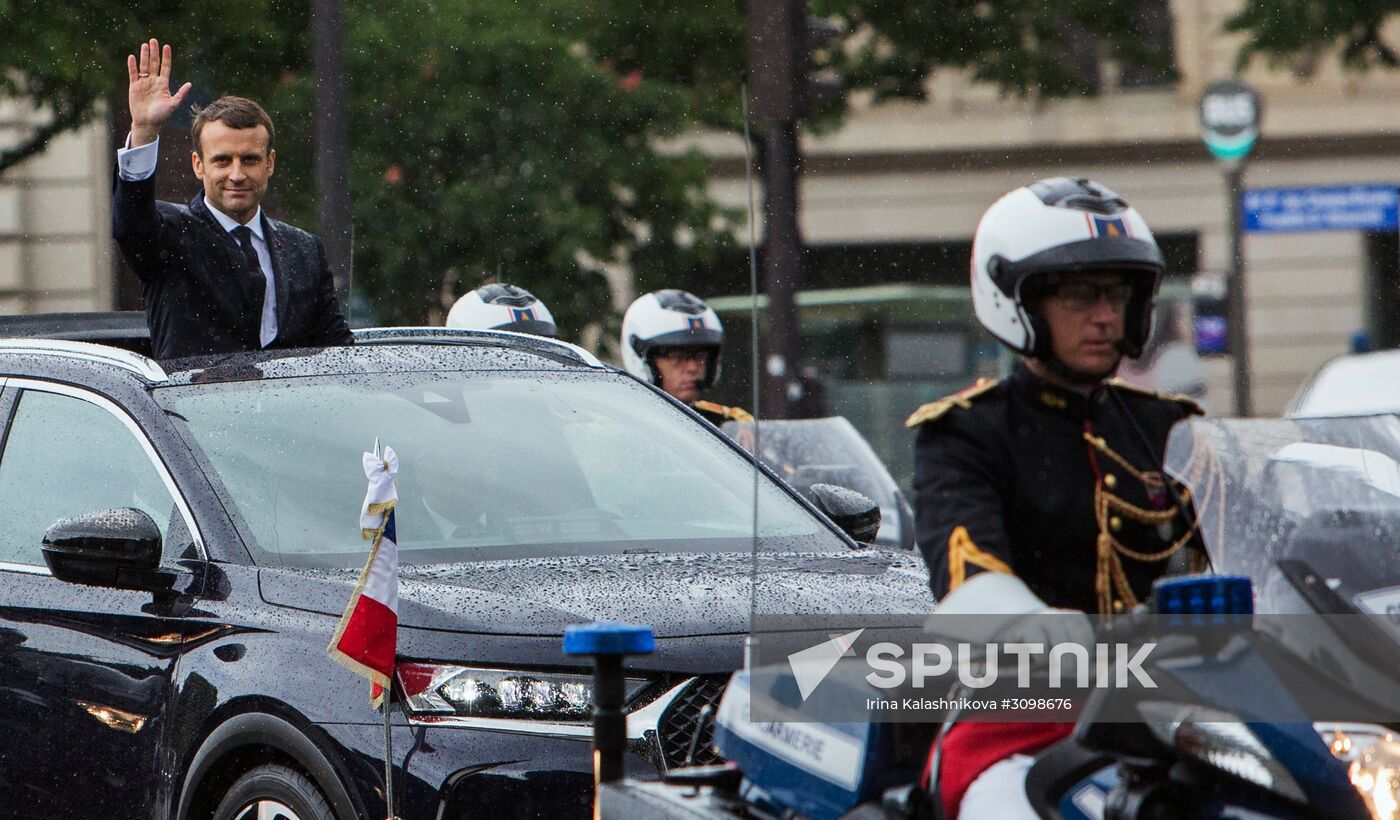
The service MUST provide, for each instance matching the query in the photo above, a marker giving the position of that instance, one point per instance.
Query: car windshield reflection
(491, 465)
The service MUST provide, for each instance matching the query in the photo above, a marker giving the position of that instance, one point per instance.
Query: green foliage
(890, 47)
(695, 53)
(64, 59)
(1023, 46)
(487, 144)
(1293, 33)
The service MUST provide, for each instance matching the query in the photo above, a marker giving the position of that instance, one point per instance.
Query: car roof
(1360, 384)
(109, 339)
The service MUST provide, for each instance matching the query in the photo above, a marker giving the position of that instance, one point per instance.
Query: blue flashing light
(1204, 595)
(609, 638)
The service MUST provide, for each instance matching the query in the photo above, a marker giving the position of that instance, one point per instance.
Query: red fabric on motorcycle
(971, 748)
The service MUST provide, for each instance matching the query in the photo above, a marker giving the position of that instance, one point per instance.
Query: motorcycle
(1275, 682)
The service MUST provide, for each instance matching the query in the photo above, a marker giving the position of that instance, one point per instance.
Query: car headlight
(446, 689)
(1373, 755)
(1221, 740)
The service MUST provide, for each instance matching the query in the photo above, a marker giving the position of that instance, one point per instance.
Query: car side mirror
(854, 513)
(107, 548)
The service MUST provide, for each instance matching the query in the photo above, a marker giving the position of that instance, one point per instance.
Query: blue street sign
(1322, 208)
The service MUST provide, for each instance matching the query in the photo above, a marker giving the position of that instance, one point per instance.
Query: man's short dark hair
(234, 112)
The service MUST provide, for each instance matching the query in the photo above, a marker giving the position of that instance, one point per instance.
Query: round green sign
(1229, 113)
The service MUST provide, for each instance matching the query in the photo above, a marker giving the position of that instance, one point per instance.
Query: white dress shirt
(136, 164)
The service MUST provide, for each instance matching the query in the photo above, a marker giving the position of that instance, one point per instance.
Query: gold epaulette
(1193, 407)
(962, 398)
(728, 413)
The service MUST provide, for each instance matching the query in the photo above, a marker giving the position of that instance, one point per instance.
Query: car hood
(676, 594)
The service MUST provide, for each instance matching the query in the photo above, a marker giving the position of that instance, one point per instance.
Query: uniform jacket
(1060, 489)
(201, 294)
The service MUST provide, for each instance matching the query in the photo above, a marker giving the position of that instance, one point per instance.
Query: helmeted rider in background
(1047, 487)
(502, 307)
(674, 340)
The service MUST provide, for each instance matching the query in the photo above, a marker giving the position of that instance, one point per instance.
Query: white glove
(994, 607)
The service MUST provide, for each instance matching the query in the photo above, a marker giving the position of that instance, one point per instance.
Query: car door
(84, 671)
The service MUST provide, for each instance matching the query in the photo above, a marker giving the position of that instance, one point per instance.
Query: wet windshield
(491, 465)
(1322, 491)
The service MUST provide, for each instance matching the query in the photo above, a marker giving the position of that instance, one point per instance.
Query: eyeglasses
(1083, 296)
(678, 355)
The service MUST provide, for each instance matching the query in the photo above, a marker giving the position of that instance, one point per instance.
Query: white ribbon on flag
(381, 494)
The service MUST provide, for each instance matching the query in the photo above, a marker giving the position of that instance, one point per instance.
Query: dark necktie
(244, 235)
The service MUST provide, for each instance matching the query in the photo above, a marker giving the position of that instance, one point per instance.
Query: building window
(1152, 62)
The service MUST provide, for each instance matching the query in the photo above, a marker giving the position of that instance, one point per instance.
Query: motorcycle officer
(1046, 489)
(502, 307)
(672, 339)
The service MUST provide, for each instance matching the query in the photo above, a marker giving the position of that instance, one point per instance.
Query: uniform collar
(1053, 397)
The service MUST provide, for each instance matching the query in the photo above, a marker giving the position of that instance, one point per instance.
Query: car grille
(677, 727)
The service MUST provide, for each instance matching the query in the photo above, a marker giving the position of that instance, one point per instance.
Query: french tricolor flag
(366, 638)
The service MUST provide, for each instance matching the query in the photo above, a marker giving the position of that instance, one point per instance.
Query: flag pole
(388, 756)
(365, 638)
(388, 730)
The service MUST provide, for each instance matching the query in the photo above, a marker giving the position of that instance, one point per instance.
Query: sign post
(1229, 114)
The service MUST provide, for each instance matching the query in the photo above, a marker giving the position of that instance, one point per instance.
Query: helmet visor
(1119, 253)
(690, 337)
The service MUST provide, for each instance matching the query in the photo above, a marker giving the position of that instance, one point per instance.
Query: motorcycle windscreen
(1321, 491)
(830, 450)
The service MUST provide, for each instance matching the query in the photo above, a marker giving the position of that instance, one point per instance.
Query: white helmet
(1057, 226)
(669, 318)
(503, 307)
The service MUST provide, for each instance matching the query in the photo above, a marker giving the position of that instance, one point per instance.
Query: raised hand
(148, 94)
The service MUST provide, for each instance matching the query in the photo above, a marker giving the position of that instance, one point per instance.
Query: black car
(180, 538)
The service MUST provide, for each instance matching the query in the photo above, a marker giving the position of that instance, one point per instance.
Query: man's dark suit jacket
(201, 294)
